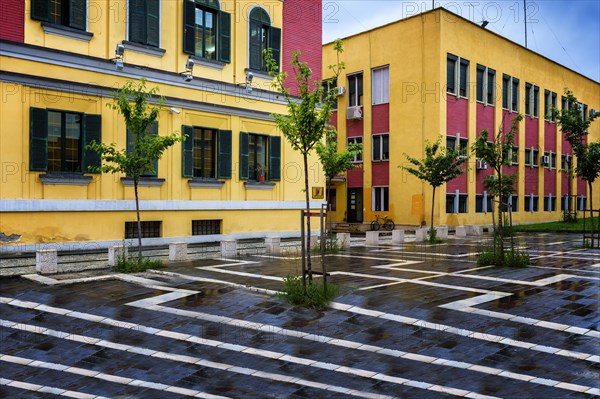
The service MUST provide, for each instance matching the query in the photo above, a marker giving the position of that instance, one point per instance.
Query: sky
(567, 32)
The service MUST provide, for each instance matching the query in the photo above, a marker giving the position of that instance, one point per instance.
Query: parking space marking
(27, 386)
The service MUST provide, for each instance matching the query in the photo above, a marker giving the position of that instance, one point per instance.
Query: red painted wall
(381, 118)
(302, 30)
(12, 20)
(355, 178)
(333, 119)
(531, 140)
(550, 145)
(380, 173)
(354, 127)
(457, 112)
(484, 120)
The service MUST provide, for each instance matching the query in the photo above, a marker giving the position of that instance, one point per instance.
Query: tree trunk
(431, 230)
(139, 223)
(591, 206)
(500, 235)
(308, 258)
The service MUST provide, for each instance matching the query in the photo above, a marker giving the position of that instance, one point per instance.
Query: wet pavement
(413, 321)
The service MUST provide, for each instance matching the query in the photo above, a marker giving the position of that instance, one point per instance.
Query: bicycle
(387, 223)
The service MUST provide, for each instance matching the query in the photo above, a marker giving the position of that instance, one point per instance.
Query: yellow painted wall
(417, 61)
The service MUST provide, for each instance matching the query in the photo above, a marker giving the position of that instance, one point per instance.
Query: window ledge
(65, 179)
(61, 30)
(205, 183)
(254, 185)
(144, 182)
(144, 49)
(259, 74)
(205, 62)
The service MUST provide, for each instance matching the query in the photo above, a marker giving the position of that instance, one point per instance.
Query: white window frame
(359, 155)
(382, 204)
(352, 76)
(550, 95)
(457, 81)
(380, 88)
(485, 85)
(381, 152)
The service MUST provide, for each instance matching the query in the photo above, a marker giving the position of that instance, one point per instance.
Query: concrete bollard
(372, 238)
(229, 248)
(46, 261)
(442, 232)
(422, 234)
(473, 230)
(115, 252)
(461, 231)
(343, 240)
(397, 236)
(178, 251)
(273, 245)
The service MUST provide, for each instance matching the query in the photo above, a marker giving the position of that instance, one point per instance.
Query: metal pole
(525, 14)
(303, 249)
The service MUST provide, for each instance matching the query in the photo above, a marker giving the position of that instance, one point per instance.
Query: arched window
(207, 30)
(262, 36)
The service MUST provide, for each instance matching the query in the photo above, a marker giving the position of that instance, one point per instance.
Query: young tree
(333, 161)
(497, 155)
(574, 125)
(132, 101)
(307, 118)
(439, 166)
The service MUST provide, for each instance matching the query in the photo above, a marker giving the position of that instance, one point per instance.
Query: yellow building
(61, 63)
(445, 76)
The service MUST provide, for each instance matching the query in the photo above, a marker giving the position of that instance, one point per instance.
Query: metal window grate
(149, 229)
(206, 227)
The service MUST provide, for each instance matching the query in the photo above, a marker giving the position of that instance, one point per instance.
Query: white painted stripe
(48, 389)
(269, 354)
(106, 377)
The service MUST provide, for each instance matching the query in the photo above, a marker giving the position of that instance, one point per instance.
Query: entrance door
(355, 205)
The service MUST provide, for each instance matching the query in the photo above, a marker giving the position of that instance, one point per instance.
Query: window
(381, 200)
(331, 199)
(463, 144)
(565, 162)
(532, 99)
(532, 157)
(355, 90)
(514, 156)
(549, 105)
(207, 32)
(550, 160)
(206, 153)
(513, 201)
(149, 229)
(549, 203)
(457, 203)
(263, 36)
(510, 93)
(483, 203)
(581, 203)
(260, 157)
(328, 85)
(457, 76)
(152, 130)
(583, 108)
(381, 85)
(144, 22)
(71, 13)
(356, 140)
(381, 147)
(531, 203)
(486, 85)
(58, 141)
(206, 227)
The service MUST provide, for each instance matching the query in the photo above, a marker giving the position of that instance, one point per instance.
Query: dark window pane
(206, 227)
(480, 77)
(54, 141)
(505, 91)
(464, 73)
(451, 75)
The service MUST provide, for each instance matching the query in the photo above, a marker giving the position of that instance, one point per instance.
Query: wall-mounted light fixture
(174, 110)
(484, 23)
(118, 60)
(189, 67)
(249, 77)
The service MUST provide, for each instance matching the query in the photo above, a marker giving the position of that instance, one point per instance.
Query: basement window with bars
(150, 229)
(206, 227)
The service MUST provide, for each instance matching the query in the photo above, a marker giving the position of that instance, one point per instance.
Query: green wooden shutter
(78, 14)
(224, 160)
(187, 157)
(274, 158)
(40, 10)
(224, 37)
(189, 27)
(38, 139)
(153, 22)
(255, 47)
(153, 131)
(92, 131)
(137, 21)
(275, 44)
(244, 149)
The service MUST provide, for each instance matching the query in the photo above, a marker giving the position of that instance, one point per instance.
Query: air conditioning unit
(340, 90)
(546, 160)
(593, 112)
(354, 113)
(480, 165)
